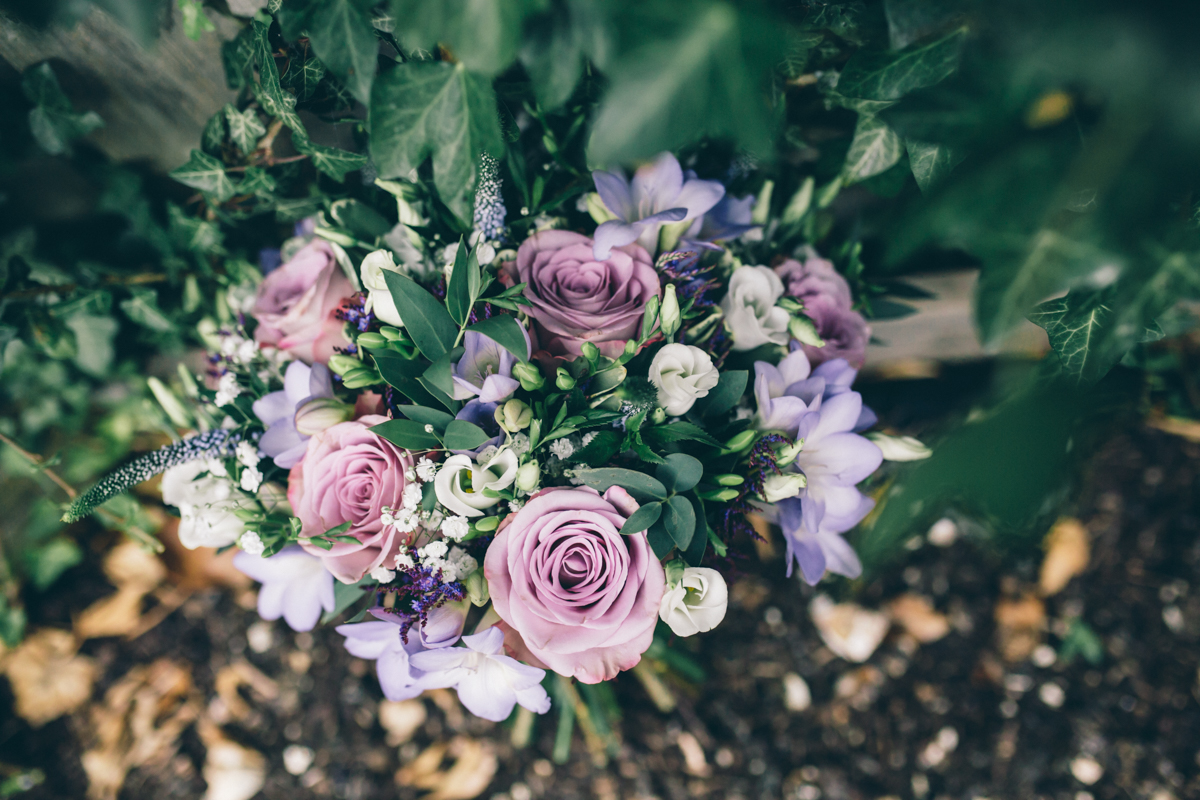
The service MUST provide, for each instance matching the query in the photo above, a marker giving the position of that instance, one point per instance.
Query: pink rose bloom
(573, 593)
(577, 298)
(348, 475)
(297, 302)
(827, 301)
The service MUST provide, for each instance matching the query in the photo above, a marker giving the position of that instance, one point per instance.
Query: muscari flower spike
(214, 443)
(489, 203)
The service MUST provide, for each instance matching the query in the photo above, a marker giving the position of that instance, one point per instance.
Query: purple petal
(699, 196)
(614, 191)
(662, 217)
(486, 693)
(296, 381)
(281, 437)
(656, 185)
(810, 557)
(839, 414)
(613, 233)
(840, 557)
(320, 381)
(489, 641)
(497, 388)
(270, 408)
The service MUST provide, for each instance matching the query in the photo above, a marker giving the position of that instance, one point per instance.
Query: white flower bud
(682, 374)
(781, 487)
(900, 448)
(697, 603)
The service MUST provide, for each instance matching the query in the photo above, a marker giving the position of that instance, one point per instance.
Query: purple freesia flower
(379, 640)
(658, 194)
(277, 410)
(488, 682)
(787, 393)
(839, 377)
(295, 586)
(815, 553)
(485, 370)
(728, 219)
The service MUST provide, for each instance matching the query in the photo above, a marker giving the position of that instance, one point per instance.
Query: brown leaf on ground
(135, 573)
(917, 616)
(401, 719)
(1177, 426)
(233, 677)
(233, 772)
(48, 678)
(1019, 625)
(1068, 550)
(138, 723)
(848, 629)
(468, 776)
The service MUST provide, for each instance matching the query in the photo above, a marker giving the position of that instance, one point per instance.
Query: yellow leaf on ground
(917, 616)
(1019, 626)
(474, 766)
(1068, 550)
(48, 678)
(233, 772)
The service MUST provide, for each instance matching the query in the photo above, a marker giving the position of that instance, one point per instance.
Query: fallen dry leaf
(849, 630)
(1068, 549)
(474, 767)
(694, 762)
(236, 675)
(1177, 426)
(139, 722)
(135, 573)
(48, 677)
(401, 719)
(233, 772)
(1019, 626)
(917, 616)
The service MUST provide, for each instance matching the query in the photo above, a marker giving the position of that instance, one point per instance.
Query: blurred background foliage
(1050, 145)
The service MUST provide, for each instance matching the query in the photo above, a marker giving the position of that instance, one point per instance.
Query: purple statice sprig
(419, 590)
(762, 462)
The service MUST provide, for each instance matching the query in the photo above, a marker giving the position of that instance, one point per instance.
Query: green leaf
(1077, 328)
(435, 110)
(439, 373)
(458, 293)
(425, 318)
(875, 149)
(407, 434)
(884, 75)
(332, 161)
(482, 34)
(274, 100)
(195, 23)
(46, 563)
(694, 553)
(244, 128)
(505, 331)
(558, 43)
(342, 36)
(256, 180)
(52, 120)
(642, 519)
(731, 385)
(428, 416)
(706, 78)
(930, 163)
(207, 174)
(678, 432)
(639, 484)
(679, 519)
(680, 472)
(344, 596)
(303, 75)
(463, 435)
(401, 374)
(143, 309)
(660, 540)
(236, 56)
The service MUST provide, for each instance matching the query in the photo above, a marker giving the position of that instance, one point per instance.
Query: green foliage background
(1052, 145)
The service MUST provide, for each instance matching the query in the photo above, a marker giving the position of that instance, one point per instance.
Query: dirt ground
(986, 691)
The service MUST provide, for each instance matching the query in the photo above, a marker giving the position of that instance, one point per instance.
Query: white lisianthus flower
(206, 506)
(460, 482)
(379, 297)
(751, 315)
(682, 374)
(900, 448)
(781, 487)
(697, 603)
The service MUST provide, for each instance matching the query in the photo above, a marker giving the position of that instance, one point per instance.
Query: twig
(36, 460)
(270, 162)
(132, 280)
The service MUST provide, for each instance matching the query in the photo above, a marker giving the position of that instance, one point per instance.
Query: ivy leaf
(425, 318)
(482, 34)
(434, 110)
(706, 79)
(195, 23)
(244, 128)
(256, 180)
(236, 57)
(143, 309)
(274, 100)
(930, 163)
(302, 77)
(558, 43)
(1076, 325)
(52, 120)
(342, 36)
(876, 148)
(207, 174)
(332, 161)
(885, 75)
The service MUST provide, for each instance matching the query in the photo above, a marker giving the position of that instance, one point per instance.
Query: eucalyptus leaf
(640, 520)
(680, 472)
(693, 554)
(639, 484)
(679, 519)
(660, 539)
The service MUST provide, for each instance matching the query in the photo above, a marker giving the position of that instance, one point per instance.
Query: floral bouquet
(529, 459)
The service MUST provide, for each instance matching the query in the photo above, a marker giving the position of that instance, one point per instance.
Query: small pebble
(1086, 770)
(796, 695)
(260, 638)
(920, 784)
(1084, 796)
(773, 616)
(1044, 656)
(943, 533)
(543, 768)
(297, 759)
(1009, 709)
(757, 766)
(1052, 694)
(724, 758)
(806, 791)
(1173, 618)
(1018, 683)
(520, 791)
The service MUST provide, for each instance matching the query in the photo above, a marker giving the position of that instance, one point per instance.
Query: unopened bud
(341, 364)
(590, 352)
(477, 588)
(670, 319)
(787, 454)
(729, 480)
(360, 378)
(321, 414)
(371, 341)
(564, 381)
(514, 415)
(781, 487)
(390, 333)
(529, 375)
(658, 416)
(529, 475)
(741, 441)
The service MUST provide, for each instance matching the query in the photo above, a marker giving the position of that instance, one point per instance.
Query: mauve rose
(573, 593)
(827, 301)
(297, 302)
(348, 475)
(578, 299)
